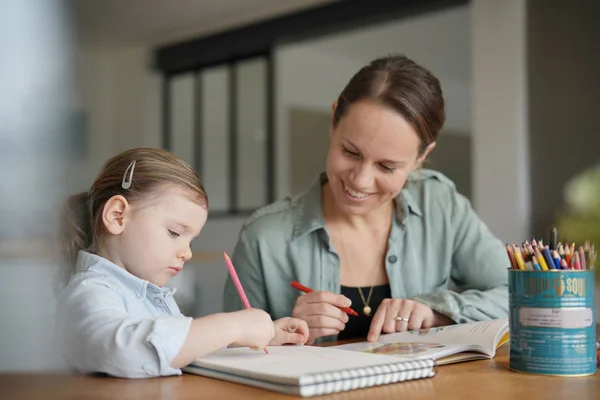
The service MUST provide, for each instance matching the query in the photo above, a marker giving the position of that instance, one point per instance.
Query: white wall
(309, 78)
(500, 131)
(439, 40)
(122, 95)
(311, 74)
(117, 92)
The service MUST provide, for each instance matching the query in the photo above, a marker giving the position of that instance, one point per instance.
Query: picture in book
(478, 339)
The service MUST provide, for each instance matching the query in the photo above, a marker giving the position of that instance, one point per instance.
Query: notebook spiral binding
(358, 378)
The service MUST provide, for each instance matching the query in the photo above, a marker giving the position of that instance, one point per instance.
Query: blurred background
(242, 90)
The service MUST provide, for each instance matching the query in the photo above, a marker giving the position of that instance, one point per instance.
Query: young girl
(126, 238)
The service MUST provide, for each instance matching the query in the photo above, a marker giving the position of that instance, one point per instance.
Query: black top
(358, 327)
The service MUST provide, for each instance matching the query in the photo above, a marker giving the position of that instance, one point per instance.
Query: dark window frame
(259, 40)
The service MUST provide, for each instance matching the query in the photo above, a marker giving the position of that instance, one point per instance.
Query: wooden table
(488, 379)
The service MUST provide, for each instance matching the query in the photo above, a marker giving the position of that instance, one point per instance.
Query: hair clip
(126, 184)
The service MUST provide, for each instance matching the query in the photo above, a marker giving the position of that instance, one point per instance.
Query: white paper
(567, 318)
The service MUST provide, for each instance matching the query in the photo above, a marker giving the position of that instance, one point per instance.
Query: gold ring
(401, 319)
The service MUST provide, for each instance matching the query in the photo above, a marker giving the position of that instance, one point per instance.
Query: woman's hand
(321, 313)
(289, 330)
(399, 315)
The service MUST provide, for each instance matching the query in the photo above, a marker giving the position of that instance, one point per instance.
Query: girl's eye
(173, 234)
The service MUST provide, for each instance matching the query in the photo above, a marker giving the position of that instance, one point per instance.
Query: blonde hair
(81, 225)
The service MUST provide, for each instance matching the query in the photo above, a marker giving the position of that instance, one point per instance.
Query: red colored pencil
(305, 289)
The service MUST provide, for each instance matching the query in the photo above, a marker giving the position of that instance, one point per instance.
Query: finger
(416, 320)
(306, 310)
(282, 323)
(297, 331)
(393, 310)
(324, 321)
(301, 327)
(301, 299)
(259, 345)
(428, 321)
(404, 312)
(377, 323)
(258, 348)
(337, 300)
(295, 338)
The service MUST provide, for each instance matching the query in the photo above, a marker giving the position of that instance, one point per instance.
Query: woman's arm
(479, 265)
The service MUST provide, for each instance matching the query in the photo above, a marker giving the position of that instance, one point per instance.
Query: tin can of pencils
(552, 322)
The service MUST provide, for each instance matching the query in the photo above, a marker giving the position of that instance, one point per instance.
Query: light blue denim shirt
(436, 237)
(112, 322)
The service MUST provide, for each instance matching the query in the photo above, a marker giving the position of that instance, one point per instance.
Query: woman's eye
(387, 169)
(174, 234)
(350, 152)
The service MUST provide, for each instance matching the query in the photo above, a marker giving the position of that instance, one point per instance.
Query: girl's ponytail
(76, 227)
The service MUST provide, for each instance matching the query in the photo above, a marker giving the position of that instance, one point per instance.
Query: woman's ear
(114, 213)
(333, 108)
(423, 156)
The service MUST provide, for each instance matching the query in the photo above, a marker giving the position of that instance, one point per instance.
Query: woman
(375, 230)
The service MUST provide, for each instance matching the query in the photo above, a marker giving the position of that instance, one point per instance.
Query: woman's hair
(134, 174)
(404, 87)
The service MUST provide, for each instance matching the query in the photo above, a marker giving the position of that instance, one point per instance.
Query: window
(218, 119)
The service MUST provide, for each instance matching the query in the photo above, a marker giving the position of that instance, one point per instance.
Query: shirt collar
(309, 217)
(92, 262)
(310, 211)
(406, 202)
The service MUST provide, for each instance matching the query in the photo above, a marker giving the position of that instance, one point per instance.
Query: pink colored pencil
(582, 258)
(575, 261)
(237, 283)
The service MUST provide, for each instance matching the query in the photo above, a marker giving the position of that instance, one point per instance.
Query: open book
(309, 370)
(446, 344)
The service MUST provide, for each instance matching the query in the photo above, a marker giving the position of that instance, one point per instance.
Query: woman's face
(372, 152)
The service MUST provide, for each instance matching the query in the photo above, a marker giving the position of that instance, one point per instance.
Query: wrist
(232, 329)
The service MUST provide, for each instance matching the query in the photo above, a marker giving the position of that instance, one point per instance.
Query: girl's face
(155, 239)
(372, 152)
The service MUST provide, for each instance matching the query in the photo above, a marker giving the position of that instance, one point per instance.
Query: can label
(552, 322)
(566, 318)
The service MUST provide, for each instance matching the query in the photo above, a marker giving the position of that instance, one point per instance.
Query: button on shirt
(435, 237)
(112, 322)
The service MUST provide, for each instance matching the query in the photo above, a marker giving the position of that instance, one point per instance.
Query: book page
(287, 364)
(437, 342)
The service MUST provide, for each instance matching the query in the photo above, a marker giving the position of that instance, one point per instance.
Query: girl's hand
(255, 328)
(290, 330)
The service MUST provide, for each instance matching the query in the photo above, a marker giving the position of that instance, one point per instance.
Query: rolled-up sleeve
(479, 264)
(98, 335)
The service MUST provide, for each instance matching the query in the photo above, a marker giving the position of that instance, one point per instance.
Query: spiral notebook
(309, 370)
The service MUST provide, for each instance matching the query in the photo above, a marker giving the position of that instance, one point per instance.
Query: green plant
(580, 221)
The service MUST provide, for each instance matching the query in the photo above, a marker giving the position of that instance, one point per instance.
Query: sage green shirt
(435, 237)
